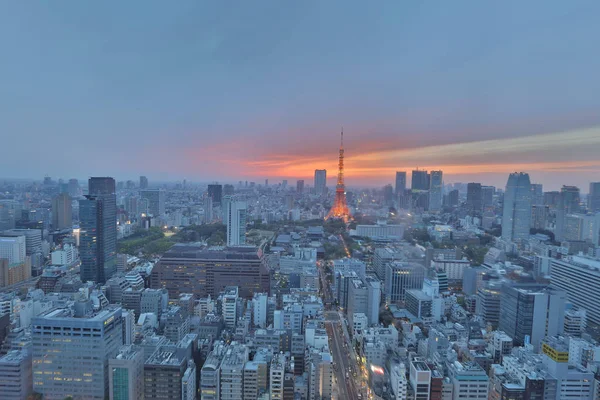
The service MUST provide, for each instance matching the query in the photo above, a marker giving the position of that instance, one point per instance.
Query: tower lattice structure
(340, 206)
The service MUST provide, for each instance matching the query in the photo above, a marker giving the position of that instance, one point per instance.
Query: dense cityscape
(300, 200)
(298, 291)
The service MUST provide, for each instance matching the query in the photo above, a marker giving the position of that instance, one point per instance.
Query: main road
(343, 359)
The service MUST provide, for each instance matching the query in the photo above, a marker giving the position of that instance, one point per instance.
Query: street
(344, 359)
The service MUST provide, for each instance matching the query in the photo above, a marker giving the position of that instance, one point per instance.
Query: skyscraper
(143, 182)
(420, 180)
(568, 203)
(388, 195)
(487, 196)
(62, 212)
(156, 201)
(98, 235)
(516, 217)
(474, 197)
(594, 197)
(215, 191)
(320, 181)
(537, 193)
(400, 182)
(234, 217)
(435, 191)
(74, 189)
(300, 186)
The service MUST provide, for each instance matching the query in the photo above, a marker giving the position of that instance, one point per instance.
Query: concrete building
(163, 373)
(579, 277)
(16, 375)
(276, 377)
(156, 201)
(13, 249)
(193, 269)
(259, 309)
(594, 197)
(400, 277)
(320, 182)
(532, 311)
(399, 383)
(11, 274)
(98, 235)
(255, 379)
(62, 212)
(454, 269)
(126, 374)
(33, 239)
(358, 299)
(488, 303)
(420, 379)
(426, 307)
(469, 381)
(474, 197)
(380, 231)
(78, 347)
(215, 192)
(374, 299)
(229, 300)
(234, 218)
(516, 217)
(400, 186)
(210, 374)
(232, 372)
(435, 191)
(153, 301)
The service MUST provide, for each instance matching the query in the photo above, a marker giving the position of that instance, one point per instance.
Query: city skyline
(412, 85)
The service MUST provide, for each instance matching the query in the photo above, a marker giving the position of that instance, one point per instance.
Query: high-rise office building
(568, 203)
(12, 248)
(435, 190)
(143, 182)
(453, 198)
(320, 181)
(400, 182)
(537, 193)
(76, 347)
(474, 197)
(300, 186)
(388, 195)
(487, 196)
(400, 277)
(98, 235)
(228, 190)
(532, 311)
(516, 218)
(33, 239)
(73, 188)
(420, 180)
(156, 201)
(62, 212)
(594, 197)
(215, 191)
(208, 210)
(234, 218)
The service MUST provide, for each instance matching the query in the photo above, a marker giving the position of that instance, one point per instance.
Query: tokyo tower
(340, 206)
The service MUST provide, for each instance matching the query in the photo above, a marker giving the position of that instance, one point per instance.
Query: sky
(248, 90)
